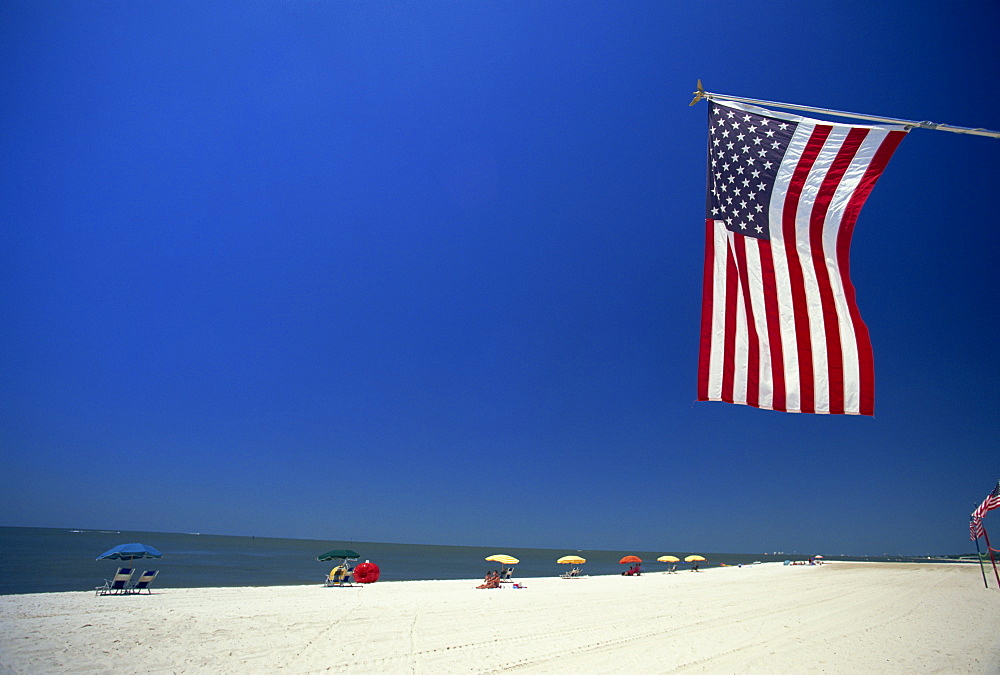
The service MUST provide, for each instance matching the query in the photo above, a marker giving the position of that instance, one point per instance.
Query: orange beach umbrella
(630, 559)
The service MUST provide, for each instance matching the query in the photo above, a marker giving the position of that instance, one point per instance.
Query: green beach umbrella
(339, 554)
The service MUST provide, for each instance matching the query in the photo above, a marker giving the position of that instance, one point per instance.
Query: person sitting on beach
(695, 568)
(492, 580)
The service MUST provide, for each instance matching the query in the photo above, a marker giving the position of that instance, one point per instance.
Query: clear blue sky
(431, 272)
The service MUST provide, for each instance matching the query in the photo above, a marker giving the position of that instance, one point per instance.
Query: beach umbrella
(668, 558)
(129, 552)
(694, 558)
(630, 559)
(342, 570)
(338, 554)
(572, 560)
(818, 557)
(503, 559)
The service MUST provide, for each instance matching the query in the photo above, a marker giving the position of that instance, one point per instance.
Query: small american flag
(975, 528)
(990, 503)
(780, 328)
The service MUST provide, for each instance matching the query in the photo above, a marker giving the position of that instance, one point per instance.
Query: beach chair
(118, 585)
(339, 576)
(143, 583)
(672, 570)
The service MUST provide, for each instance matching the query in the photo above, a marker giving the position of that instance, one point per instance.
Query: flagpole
(992, 559)
(982, 568)
(701, 93)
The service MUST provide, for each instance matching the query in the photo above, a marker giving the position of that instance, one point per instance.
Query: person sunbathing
(492, 580)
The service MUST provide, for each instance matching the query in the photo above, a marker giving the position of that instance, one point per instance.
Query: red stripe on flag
(803, 339)
(707, 309)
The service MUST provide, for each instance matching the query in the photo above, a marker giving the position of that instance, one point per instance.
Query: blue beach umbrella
(130, 552)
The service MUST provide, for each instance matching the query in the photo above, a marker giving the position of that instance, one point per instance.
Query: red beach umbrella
(630, 559)
(366, 573)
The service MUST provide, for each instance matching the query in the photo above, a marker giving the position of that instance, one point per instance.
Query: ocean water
(41, 560)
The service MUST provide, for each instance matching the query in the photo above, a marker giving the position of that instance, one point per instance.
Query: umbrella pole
(981, 568)
(992, 559)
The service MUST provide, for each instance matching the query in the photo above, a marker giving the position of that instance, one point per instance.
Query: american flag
(990, 503)
(975, 528)
(780, 328)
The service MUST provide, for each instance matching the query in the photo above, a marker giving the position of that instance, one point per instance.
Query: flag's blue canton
(744, 152)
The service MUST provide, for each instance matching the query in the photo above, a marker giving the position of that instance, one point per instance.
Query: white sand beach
(838, 617)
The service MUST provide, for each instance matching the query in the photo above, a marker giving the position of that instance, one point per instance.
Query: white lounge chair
(118, 585)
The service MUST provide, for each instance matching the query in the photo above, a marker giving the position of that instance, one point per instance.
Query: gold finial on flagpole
(698, 95)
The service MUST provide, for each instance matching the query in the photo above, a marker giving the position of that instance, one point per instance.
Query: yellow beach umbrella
(668, 558)
(571, 560)
(694, 558)
(503, 559)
